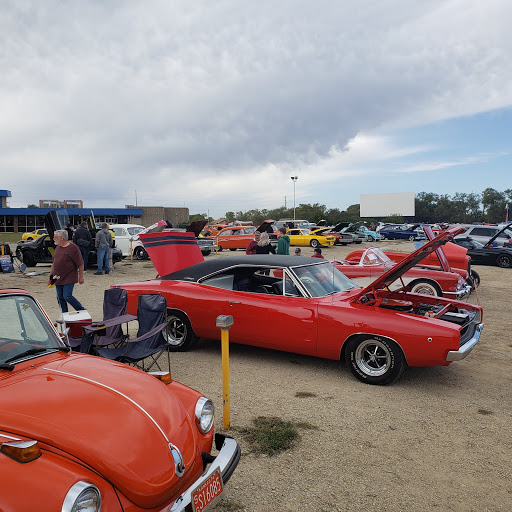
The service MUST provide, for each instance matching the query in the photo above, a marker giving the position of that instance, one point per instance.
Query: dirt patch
(439, 439)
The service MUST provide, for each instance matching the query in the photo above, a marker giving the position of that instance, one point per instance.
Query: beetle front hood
(131, 450)
(410, 261)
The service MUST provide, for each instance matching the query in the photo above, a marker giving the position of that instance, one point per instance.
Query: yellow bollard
(225, 322)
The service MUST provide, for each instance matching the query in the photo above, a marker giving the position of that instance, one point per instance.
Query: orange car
(213, 229)
(79, 432)
(234, 237)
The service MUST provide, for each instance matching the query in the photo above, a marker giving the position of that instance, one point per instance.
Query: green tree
(494, 204)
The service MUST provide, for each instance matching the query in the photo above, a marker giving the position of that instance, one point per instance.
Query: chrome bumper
(464, 350)
(226, 461)
(460, 294)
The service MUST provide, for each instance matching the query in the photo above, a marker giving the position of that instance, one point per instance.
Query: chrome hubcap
(176, 331)
(373, 358)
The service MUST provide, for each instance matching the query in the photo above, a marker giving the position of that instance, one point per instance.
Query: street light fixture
(294, 179)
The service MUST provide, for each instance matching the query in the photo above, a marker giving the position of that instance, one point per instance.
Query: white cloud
(195, 100)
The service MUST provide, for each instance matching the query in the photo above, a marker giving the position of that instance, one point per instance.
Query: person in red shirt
(251, 246)
(317, 253)
(67, 269)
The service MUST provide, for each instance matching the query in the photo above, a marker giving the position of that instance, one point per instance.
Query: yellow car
(304, 237)
(32, 235)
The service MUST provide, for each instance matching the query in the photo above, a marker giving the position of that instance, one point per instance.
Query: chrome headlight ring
(204, 414)
(82, 497)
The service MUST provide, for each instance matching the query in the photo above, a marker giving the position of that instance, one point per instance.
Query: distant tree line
(489, 207)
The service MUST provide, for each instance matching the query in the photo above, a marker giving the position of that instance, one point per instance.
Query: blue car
(402, 232)
(371, 236)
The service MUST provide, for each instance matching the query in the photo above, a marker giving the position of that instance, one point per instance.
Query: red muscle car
(81, 433)
(320, 312)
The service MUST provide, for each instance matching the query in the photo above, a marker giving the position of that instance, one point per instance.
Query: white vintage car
(127, 240)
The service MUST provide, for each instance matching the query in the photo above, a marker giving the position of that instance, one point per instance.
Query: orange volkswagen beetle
(80, 433)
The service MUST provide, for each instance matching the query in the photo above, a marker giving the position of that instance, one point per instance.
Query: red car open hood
(131, 450)
(171, 250)
(410, 261)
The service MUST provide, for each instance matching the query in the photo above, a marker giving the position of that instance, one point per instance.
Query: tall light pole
(294, 179)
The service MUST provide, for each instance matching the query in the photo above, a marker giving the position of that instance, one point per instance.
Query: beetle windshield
(23, 327)
(323, 279)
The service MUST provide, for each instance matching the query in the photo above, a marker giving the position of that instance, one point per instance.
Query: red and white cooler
(74, 321)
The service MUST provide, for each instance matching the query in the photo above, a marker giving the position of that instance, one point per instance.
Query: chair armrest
(150, 333)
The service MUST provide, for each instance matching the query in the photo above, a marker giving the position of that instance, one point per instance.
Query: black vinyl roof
(211, 266)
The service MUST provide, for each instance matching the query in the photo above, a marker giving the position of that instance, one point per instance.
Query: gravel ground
(439, 439)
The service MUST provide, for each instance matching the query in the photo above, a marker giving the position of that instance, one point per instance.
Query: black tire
(179, 334)
(219, 248)
(207, 252)
(233, 249)
(140, 253)
(374, 360)
(29, 259)
(29, 238)
(411, 238)
(369, 238)
(475, 278)
(314, 243)
(426, 287)
(504, 261)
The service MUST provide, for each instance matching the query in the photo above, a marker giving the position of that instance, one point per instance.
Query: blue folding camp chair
(144, 350)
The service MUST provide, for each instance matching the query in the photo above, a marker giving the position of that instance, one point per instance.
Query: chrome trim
(460, 294)
(464, 350)
(179, 465)
(115, 391)
(73, 494)
(10, 437)
(225, 462)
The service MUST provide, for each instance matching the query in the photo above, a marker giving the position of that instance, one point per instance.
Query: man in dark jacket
(103, 244)
(83, 241)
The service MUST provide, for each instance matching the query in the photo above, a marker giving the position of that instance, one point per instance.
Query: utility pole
(294, 179)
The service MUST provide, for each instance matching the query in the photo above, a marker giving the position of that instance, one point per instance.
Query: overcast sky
(215, 105)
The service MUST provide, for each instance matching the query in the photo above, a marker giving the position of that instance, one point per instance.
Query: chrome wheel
(178, 333)
(373, 358)
(140, 253)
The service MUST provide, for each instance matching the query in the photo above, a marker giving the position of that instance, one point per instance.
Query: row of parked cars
(37, 246)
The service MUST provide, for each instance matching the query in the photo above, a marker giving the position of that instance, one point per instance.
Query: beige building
(152, 214)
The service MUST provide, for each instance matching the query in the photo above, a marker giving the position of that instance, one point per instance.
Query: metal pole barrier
(224, 322)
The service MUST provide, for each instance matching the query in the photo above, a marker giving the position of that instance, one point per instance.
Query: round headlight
(82, 497)
(204, 414)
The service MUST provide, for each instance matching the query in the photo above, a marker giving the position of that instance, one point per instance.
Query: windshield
(374, 256)
(323, 279)
(23, 327)
(135, 230)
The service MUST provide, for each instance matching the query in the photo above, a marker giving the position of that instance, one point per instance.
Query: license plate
(207, 492)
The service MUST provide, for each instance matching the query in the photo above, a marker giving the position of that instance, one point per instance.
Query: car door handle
(233, 302)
